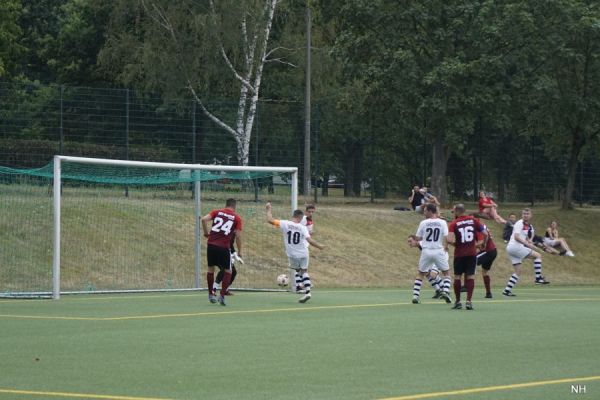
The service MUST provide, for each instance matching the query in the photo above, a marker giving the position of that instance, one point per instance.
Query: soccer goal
(88, 225)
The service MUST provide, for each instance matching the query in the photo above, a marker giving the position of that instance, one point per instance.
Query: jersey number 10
(293, 238)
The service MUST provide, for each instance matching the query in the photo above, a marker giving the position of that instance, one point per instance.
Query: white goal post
(57, 187)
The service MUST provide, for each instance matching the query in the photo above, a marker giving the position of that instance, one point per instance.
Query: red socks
(470, 284)
(486, 282)
(210, 281)
(457, 287)
(225, 283)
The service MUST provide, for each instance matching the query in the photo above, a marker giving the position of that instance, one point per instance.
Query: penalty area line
(493, 388)
(74, 395)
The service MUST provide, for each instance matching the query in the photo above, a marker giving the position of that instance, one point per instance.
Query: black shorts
(218, 257)
(486, 259)
(465, 265)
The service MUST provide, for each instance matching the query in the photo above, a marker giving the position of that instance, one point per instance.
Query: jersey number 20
(433, 234)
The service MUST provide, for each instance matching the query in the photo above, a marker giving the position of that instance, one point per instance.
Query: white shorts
(433, 258)
(550, 242)
(298, 263)
(517, 253)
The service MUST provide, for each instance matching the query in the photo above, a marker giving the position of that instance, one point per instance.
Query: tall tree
(210, 48)
(10, 33)
(431, 58)
(564, 101)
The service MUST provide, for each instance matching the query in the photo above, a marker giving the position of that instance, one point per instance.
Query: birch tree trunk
(255, 54)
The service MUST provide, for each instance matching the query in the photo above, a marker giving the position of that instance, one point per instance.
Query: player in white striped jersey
(520, 247)
(432, 234)
(433, 276)
(295, 237)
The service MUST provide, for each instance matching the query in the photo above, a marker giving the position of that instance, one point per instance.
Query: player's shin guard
(306, 282)
(457, 287)
(225, 283)
(434, 282)
(470, 284)
(537, 266)
(514, 278)
(210, 280)
(446, 285)
(487, 283)
(417, 288)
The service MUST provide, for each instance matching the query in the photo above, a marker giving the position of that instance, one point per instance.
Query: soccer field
(343, 344)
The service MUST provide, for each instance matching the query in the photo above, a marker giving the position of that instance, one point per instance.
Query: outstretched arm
(315, 243)
(270, 218)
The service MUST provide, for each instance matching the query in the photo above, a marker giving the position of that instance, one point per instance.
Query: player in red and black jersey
(462, 234)
(226, 225)
(485, 258)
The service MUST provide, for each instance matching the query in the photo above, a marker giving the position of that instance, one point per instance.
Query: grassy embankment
(123, 242)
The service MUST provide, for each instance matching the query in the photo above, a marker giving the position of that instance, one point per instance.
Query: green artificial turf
(343, 344)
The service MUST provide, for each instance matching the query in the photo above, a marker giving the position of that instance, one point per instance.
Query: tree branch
(210, 115)
(240, 78)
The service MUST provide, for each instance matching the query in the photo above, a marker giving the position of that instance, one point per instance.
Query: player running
(521, 247)
(226, 225)
(462, 233)
(432, 233)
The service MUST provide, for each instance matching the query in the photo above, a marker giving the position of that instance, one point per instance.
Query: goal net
(118, 226)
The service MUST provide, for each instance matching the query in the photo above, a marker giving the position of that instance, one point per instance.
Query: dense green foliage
(433, 92)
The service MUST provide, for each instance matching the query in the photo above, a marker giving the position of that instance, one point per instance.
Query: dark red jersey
(224, 224)
(465, 230)
(490, 245)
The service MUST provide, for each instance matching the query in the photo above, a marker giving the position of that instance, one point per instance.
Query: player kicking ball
(295, 237)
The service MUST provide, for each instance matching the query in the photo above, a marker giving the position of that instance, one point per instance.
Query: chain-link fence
(353, 153)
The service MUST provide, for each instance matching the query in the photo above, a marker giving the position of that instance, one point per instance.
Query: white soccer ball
(283, 280)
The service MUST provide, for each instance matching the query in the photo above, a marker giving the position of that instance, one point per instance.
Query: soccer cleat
(212, 298)
(457, 306)
(446, 297)
(488, 295)
(437, 294)
(305, 298)
(508, 293)
(570, 254)
(469, 305)
(415, 300)
(541, 281)
(222, 301)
